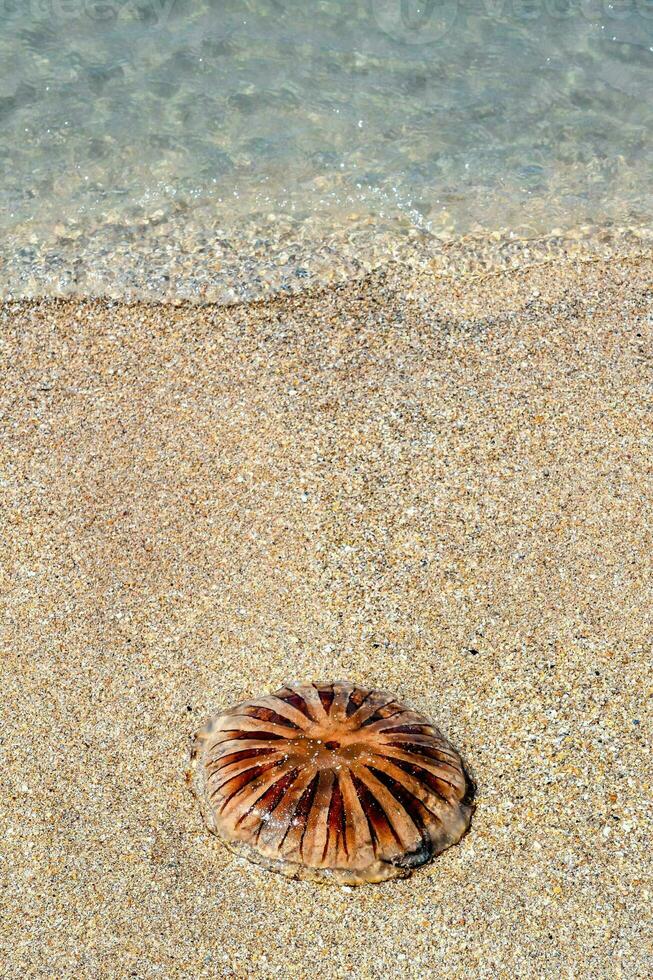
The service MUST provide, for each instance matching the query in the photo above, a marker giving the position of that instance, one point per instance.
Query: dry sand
(443, 488)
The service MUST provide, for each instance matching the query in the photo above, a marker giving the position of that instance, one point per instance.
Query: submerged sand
(440, 487)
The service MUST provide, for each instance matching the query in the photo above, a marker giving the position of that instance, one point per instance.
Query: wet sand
(442, 487)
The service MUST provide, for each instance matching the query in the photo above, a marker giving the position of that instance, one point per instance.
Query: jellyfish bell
(330, 782)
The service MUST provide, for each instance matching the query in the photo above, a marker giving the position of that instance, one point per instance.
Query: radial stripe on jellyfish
(331, 782)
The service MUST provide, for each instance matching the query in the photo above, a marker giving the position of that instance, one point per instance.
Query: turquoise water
(220, 149)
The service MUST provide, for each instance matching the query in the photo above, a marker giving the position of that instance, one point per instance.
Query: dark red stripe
(232, 757)
(356, 698)
(417, 812)
(426, 751)
(304, 808)
(375, 815)
(270, 800)
(326, 697)
(237, 733)
(238, 783)
(381, 714)
(434, 783)
(296, 700)
(336, 819)
(266, 714)
(409, 729)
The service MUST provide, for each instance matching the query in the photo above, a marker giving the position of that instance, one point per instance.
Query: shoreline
(438, 486)
(336, 263)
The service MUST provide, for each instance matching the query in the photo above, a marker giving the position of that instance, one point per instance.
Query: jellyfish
(330, 782)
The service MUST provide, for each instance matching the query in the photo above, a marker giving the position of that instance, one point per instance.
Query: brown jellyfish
(330, 782)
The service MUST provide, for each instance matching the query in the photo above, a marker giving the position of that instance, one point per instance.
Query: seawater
(222, 149)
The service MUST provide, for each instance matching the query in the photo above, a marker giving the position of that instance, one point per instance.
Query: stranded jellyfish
(330, 782)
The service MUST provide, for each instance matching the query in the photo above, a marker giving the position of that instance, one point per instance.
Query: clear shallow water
(221, 149)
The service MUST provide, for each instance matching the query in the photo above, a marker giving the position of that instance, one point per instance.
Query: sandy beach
(442, 487)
